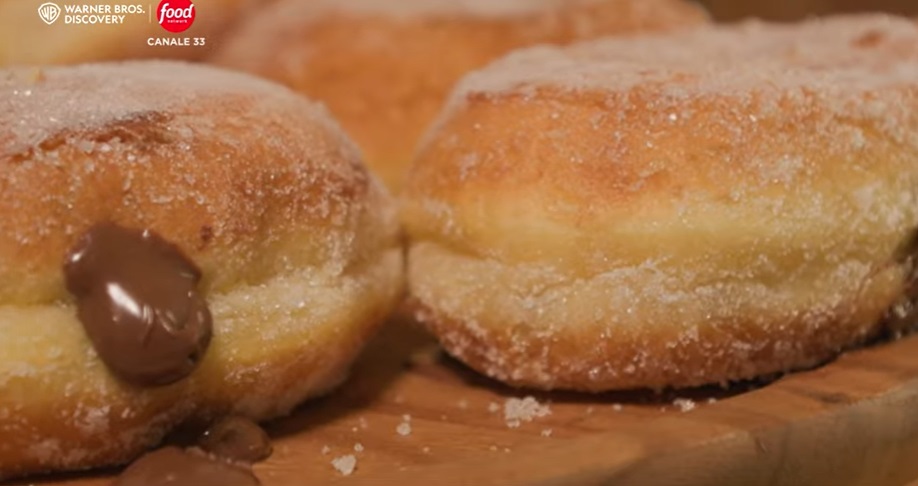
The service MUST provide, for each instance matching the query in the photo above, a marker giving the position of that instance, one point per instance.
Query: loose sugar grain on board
(684, 404)
(345, 464)
(404, 429)
(518, 410)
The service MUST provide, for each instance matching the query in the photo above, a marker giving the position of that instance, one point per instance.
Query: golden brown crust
(639, 328)
(758, 175)
(269, 187)
(384, 68)
(298, 244)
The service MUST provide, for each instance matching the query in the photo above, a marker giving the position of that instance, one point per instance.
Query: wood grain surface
(729, 10)
(851, 422)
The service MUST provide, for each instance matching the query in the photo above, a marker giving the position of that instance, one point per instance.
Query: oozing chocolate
(137, 299)
(237, 439)
(171, 466)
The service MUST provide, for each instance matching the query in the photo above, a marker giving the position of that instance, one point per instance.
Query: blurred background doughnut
(384, 68)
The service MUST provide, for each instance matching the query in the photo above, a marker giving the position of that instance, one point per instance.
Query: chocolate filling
(177, 467)
(137, 298)
(237, 439)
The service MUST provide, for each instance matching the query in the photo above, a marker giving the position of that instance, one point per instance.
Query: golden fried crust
(384, 70)
(298, 245)
(645, 327)
(266, 188)
(741, 186)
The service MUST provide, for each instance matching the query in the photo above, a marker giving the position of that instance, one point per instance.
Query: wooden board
(851, 422)
(782, 10)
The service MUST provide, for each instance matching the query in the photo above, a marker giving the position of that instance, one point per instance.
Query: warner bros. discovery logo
(49, 12)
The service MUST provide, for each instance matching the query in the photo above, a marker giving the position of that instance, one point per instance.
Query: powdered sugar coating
(298, 245)
(41, 102)
(670, 210)
(843, 52)
(143, 145)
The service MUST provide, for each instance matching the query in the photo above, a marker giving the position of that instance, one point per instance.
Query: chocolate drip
(137, 298)
(171, 466)
(237, 439)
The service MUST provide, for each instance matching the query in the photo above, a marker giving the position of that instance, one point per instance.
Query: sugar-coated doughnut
(296, 249)
(673, 210)
(385, 67)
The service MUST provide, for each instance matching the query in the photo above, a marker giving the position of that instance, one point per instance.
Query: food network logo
(175, 15)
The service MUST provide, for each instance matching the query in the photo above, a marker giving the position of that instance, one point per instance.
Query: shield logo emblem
(49, 12)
